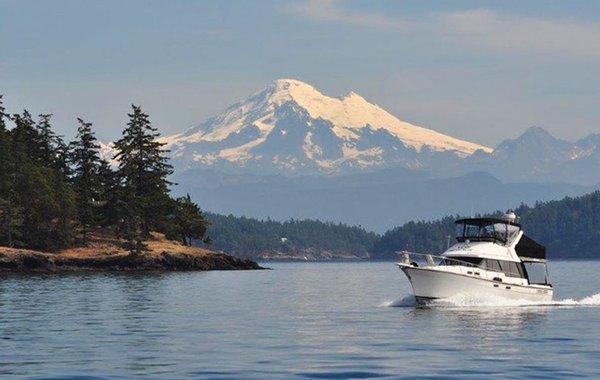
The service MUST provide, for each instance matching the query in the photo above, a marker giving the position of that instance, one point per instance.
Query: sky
(478, 70)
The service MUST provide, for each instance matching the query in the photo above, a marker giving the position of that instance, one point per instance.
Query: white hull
(430, 283)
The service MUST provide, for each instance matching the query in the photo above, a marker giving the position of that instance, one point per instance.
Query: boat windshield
(485, 230)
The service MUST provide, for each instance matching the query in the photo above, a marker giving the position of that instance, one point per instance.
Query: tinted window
(462, 261)
(536, 273)
(493, 265)
(460, 229)
(505, 266)
(471, 231)
(509, 268)
(521, 270)
(485, 230)
(512, 269)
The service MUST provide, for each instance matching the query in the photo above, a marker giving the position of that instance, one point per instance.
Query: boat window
(460, 230)
(493, 265)
(465, 261)
(505, 266)
(536, 273)
(472, 231)
(484, 230)
(509, 268)
(512, 269)
(522, 270)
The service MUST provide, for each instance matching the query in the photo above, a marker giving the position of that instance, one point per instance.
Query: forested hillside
(569, 228)
(293, 239)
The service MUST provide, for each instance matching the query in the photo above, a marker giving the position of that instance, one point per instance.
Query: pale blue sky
(480, 70)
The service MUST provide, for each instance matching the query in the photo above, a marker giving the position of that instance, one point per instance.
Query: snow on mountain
(290, 126)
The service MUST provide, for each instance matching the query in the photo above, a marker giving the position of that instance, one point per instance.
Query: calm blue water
(296, 321)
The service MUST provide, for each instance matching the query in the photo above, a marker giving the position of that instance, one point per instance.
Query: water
(337, 320)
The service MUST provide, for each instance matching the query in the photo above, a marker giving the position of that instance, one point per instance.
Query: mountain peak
(290, 81)
(539, 136)
(537, 132)
(290, 124)
(288, 85)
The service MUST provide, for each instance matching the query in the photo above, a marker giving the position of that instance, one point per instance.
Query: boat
(491, 257)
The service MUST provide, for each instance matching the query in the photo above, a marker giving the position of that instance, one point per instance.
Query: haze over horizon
(478, 71)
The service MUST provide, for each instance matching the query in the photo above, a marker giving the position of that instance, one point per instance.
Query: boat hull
(429, 284)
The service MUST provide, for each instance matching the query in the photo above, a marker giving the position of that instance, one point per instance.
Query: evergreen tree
(47, 138)
(27, 142)
(9, 212)
(142, 174)
(43, 197)
(130, 227)
(107, 194)
(5, 152)
(189, 223)
(3, 114)
(62, 159)
(85, 159)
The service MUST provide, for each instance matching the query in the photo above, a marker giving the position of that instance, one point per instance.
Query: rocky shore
(104, 254)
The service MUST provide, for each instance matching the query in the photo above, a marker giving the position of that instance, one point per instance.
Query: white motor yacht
(492, 257)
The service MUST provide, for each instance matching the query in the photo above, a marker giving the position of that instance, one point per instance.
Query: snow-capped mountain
(291, 127)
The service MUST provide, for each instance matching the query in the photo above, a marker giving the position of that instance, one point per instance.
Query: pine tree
(5, 154)
(27, 140)
(142, 174)
(9, 212)
(44, 199)
(189, 223)
(3, 114)
(85, 160)
(47, 138)
(107, 194)
(62, 159)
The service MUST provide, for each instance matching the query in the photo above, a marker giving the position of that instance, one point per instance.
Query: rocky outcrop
(12, 260)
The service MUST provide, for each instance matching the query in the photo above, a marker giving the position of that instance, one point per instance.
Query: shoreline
(37, 262)
(104, 254)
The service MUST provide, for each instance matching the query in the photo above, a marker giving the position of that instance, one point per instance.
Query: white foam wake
(407, 301)
(494, 301)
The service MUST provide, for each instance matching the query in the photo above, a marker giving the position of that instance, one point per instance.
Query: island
(106, 253)
(64, 206)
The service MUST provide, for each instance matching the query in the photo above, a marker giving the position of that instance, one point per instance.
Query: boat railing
(429, 258)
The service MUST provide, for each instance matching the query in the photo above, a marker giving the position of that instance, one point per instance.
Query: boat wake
(407, 301)
(468, 301)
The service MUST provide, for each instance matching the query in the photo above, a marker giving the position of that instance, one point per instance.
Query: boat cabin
(530, 257)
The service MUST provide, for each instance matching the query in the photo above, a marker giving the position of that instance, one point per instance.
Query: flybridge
(501, 230)
(486, 229)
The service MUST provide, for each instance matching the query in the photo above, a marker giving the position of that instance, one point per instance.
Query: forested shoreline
(54, 193)
(569, 228)
(254, 238)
